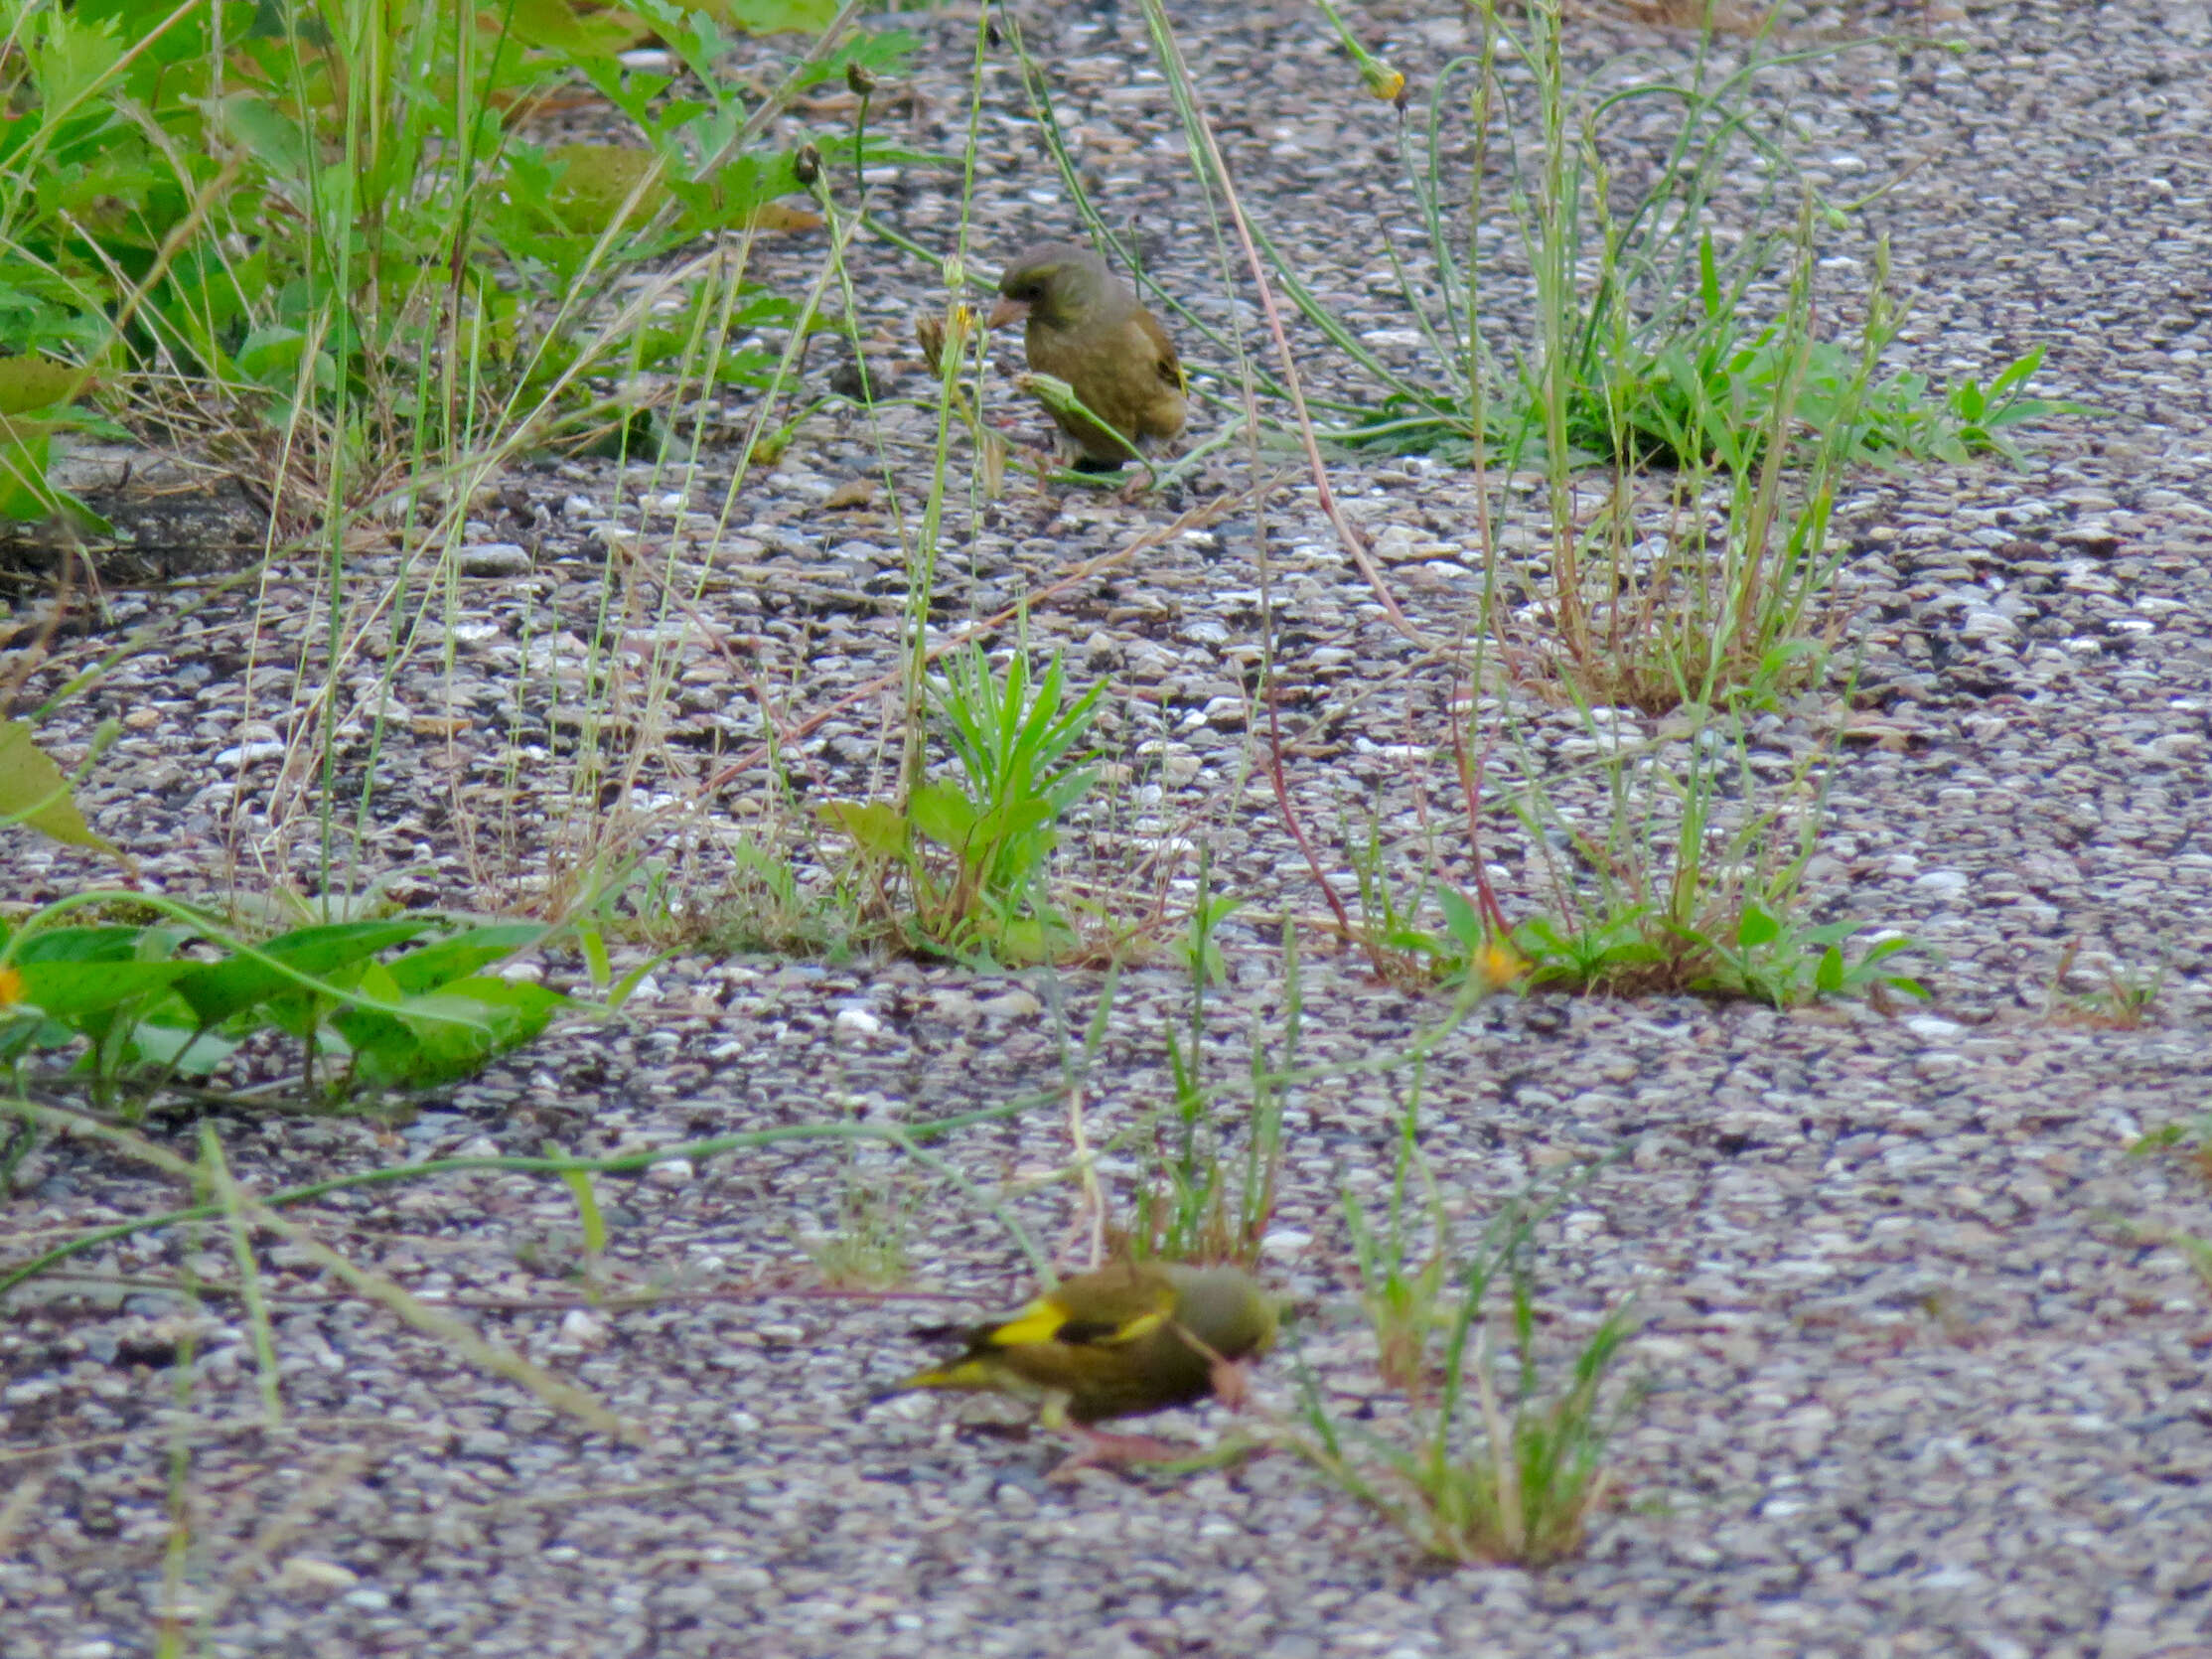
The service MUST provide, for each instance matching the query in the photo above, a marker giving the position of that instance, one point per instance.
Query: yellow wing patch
(1040, 1321)
(1045, 1320)
(1142, 1326)
(967, 1374)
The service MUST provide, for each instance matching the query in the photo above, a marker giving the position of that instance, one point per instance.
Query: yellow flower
(1382, 82)
(949, 336)
(1498, 964)
(11, 986)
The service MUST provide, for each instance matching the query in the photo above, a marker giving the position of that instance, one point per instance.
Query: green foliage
(2118, 998)
(40, 400)
(1711, 396)
(1403, 1289)
(2192, 1139)
(142, 1008)
(1780, 959)
(763, 905)
(34, 792)
(322, 215)
(961, 867)
(1759, 952)
(1647, 353)
(868, 1245)
(1687, 887)
(1905, 417)
(1200, 954)
(1201, 1201)
(1518, 1477)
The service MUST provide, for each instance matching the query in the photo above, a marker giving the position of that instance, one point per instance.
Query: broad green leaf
(219, 989)
(429, 1043)
(34, 792)
(943, 813)
(273, 137)
(1030, 939)
(567, 28)
(24, 455)
(72, 989)
(27, 495)
(463, 953)
(80, 944)
(595, 180)
(1756, 927)
(70, 61)
(35, 381)
(303, 1012)
(1828, 980)
(2017, 371)
(875, 826)
(774, 16)
(1460, 919)
(176, 1045)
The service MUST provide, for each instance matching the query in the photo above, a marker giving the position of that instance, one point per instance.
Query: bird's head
(1059, 285)
(1224, 1309)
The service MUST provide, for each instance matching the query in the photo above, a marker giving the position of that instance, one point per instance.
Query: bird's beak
(1007, 311)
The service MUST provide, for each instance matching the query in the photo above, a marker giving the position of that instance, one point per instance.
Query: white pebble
(583, 1327)
(313, 1572)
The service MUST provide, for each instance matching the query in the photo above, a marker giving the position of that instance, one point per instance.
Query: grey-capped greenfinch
(1124, 1339)
(1082, 325)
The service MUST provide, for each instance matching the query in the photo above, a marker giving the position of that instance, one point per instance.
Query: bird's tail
(966, 1374)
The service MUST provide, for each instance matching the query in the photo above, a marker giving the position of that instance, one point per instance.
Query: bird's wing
(1109, 1324)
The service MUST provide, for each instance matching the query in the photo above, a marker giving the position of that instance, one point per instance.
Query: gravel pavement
(1925, 1373)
